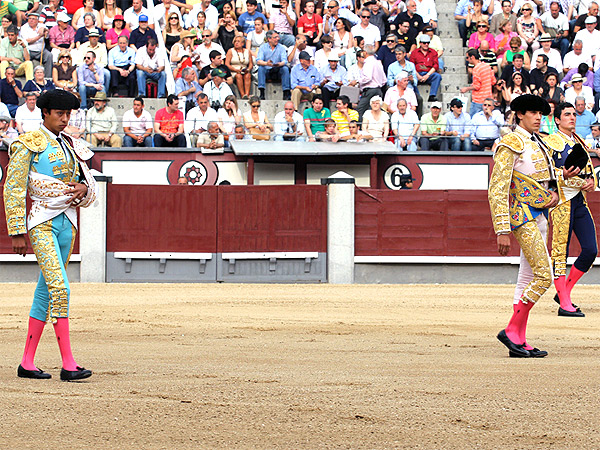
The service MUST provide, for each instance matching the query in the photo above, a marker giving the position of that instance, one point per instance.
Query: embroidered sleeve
(498, 192)
(15, 188)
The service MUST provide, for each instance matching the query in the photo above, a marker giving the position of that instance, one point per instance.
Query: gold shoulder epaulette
(554, 141)
(514, 142)
(35, 141)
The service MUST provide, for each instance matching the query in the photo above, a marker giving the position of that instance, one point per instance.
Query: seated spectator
(386, 53)
(83, 33)
(64, 74)
(426, 63)
(49, 13)
(28, 116)
(121, 63)
(514, 89)
(102, 123)
(554, 57)
(343, 114)
(240, 134)
(486, 56)
(282, 20)
(172, 31)
(584, 71)
(399, 91)
(376, 122)
(206, 49)
(330, 133)
(518, 65)
(137, 125)
(256, 121)
(556, 25)
(211, 140)
(34, 33)
(406, 37)
(9, 12)
(405, 126)
(87, 8)
(516, 49)
(239, 62)
(333, 77)
(14, 53)
(548, 125)
(229, 116)
(380, 16)
(305, 80)
(196, 120)
(99, 49)
(61, 36)
(335, 11)
(181, 53)
(216, 89)
(216, 62)
(314, 118)
(109, 14)
(527, 28)
(322, 56)
(592, 139)
(473, 16)
(299, 47)
(433, 129)
(227, 30)
(246, 20)
(149, 64)
(7, 133)
(168, 125)
(90, 77)
(289, 124)
(118, 29)
(575, 57)
(310, 24)
(133, 14)
(584, 118)
(457, 127)
(10, 91)
(402, 65)
(369, 32)
(589, 36)
(578, 90)
(481, 35)
(209, 12)
(355, 134)
(485, 126)
(257, 37)
(142, 34)
(503, 41)
(76, 126)
(435, 43)
(501, 16)
(550, 89)
(39, 84)
(272, 60)
(187, 86)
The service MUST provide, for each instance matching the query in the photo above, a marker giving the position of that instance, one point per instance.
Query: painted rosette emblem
(194, 171)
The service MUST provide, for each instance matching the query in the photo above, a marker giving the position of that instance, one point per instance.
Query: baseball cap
(218, 73)
(424, 38)
(62, 17)
(333, 57)
(590, 19)
(143, 18)
(304, 55)
(436, 105)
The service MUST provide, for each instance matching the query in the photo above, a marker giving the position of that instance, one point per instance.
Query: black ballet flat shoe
(74, 375)
(533, 353)
(565, 313)
(512, 347)
(34, 374)
(557, 300)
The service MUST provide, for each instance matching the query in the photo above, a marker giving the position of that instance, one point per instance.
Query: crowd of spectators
(360, 65)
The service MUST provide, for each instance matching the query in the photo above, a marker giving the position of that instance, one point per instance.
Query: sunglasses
(390, 40)
(206, 35)
(482, 26)
(366, 17)
(577, 81)
(487, 104)
(526, 9)
(174, 18)
(87, 58)
(255, 106)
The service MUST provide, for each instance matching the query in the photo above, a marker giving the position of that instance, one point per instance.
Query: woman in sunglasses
(527, 29)
(172, 32)
(474, 16)
(483, 34)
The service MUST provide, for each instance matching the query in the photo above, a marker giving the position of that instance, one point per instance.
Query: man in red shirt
(425, 60)
(311, 24)
(168, 125)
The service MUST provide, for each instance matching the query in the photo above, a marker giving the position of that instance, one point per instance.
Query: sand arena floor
(302, 367)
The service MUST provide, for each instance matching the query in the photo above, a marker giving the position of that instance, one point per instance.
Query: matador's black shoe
(35, 374)
(74, 375)
(557, 300)
(512, 347)
(533, 353)
(565, 313)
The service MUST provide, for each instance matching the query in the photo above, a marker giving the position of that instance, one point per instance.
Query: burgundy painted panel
(272, 218)
(161, 218)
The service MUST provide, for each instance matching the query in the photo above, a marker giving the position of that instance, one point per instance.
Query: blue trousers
(52, 243)
(435, 79)
(284, 74)
(129, 142)
(456, 144)
(159, 77)
(583, 226)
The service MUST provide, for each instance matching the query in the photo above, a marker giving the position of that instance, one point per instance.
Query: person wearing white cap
(556, 25)
(49, 13)
(376, 122)
(34, 33)
(61, 35)
(433, 129)
(400, 90)
(589, 36)
(333, 77)
(554, 56)
(426, 62)
(577, 89)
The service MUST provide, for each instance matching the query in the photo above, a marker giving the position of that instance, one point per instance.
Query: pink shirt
(474, 41)
(58, 37)
(113, 37)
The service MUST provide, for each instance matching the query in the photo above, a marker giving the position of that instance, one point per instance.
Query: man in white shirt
(576, 57)
(554, 58)
(149, 63)
(557, 25)
(289, 125)
(203, 50)
(34, 33)
(369, 32)
(216, 89)
(28, 116)
(137, 125)
(405, 125)
(590, 36)
(211, 13)
(132, 15)
(197, 118)
(426, 9)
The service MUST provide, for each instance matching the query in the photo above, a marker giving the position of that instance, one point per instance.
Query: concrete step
(445, 7)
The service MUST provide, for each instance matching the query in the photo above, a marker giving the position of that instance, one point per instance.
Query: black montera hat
(530, 102)
(57, 99)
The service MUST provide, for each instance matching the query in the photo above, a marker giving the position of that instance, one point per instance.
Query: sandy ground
(302, 367)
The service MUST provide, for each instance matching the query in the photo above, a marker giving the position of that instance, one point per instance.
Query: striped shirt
(483, 81)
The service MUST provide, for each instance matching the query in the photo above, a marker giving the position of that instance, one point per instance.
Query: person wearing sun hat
(50, 166)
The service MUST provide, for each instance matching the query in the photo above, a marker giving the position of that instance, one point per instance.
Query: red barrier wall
(216, 218)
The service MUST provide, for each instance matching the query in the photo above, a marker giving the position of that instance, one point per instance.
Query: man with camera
(216, 89)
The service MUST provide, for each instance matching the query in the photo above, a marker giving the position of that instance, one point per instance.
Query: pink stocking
(61, 328)
(574, 276)
(564, 295)
(34, 333)
(517, 326)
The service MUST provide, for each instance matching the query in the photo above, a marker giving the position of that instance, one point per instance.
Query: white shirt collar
(523, 131)
(49, 133)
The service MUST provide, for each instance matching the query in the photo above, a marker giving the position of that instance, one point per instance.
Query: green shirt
(11, 51)
(317, 119)
(430, 126)
(6, 7)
